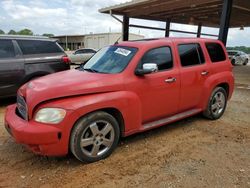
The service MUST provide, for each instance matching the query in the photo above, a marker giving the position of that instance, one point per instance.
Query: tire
(245, 62)
(217, 104)
(94, 137)
(233, 62)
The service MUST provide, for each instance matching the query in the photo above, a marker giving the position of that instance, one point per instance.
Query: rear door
(11, 67)
(41, 57)
(193, 71)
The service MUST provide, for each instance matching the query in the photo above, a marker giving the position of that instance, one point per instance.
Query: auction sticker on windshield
(122, 51)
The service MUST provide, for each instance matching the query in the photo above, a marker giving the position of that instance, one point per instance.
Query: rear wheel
(233, 61)
(245, 62)
(217, 104)
(94, 137)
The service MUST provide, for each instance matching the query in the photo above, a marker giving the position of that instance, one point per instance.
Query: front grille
(22, 107)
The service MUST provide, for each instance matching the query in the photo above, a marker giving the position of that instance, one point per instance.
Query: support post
(167, 31)
(225, 20)
(199, 30)
(125, 28)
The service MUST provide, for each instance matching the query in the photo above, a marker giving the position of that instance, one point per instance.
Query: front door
(158, 91)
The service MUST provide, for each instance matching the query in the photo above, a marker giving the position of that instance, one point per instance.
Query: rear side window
(161, 56)
(190, 54)
(6, 49)
(215, 52)
(38, 47)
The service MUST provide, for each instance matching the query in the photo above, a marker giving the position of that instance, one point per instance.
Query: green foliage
(48, 35)
(25, 32)
(12, 32)
(240, 48)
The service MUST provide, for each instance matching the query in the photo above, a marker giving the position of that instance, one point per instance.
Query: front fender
(128, 103)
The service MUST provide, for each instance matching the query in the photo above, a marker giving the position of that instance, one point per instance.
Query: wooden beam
(225, 20)
(167, 29)
(199, 30)
(125, 28)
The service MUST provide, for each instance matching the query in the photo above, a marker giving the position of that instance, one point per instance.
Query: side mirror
(147, 68)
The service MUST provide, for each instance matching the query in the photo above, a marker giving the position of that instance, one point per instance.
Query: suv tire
(233, 61)
(94, 137)
(217, 104)
(245, 62)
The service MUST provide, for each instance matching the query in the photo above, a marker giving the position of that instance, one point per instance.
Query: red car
(122, 90)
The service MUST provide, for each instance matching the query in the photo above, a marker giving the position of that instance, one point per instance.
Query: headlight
(50, 115)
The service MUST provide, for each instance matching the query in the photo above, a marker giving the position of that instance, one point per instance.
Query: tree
(2, 32)
(25, 32)
(12, 32)
(48, 35)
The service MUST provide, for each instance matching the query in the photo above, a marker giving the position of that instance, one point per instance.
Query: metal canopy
(207, 12)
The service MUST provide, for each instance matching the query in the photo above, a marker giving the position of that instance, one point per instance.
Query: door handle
(170, 80)
(204, 73)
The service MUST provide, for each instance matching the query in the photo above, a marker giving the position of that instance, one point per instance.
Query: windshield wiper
(90, 70)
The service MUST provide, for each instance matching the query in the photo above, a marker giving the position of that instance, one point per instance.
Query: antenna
(116, 42)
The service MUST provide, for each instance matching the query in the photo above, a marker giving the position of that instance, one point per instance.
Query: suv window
(38, 47)
(83, 51)
(161, 56)
(90, 51)
(79, 52)
(215, 52)
(6, 49)
(190, 54)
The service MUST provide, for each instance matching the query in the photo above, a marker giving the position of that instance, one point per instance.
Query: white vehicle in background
(238, 57)
(81, 56)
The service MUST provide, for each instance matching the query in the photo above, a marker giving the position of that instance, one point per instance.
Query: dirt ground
(194, 152)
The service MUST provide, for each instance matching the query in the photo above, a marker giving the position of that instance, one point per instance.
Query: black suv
(23, 58)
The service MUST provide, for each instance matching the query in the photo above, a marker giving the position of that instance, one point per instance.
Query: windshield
(110, 60)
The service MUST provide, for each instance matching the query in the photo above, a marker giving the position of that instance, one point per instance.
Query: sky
(82, 17)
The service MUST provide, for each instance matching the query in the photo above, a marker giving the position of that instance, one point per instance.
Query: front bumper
(40, 138)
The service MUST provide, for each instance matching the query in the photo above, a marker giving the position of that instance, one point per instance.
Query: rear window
(190, 54)
(6, 49)
(38, 47)
(215, 52)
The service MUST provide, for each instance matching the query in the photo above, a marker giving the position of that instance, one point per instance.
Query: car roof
(152, 41)
(233, 51)
(26, 37)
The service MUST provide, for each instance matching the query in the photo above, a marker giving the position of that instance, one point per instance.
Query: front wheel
(217, 104)
(94, 137)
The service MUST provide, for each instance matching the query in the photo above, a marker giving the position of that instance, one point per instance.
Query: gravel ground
(194, 152)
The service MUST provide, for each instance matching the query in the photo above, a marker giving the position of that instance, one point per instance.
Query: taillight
(65, 59)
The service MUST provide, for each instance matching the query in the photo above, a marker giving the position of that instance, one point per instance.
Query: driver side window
(161, 56)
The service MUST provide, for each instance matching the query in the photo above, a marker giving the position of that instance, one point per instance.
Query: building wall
(95, 41)
(98, 41)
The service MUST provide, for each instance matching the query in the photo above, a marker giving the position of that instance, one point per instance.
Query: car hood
(68, 83)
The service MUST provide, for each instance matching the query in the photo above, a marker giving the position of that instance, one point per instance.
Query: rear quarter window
(216, 52)
(29, 47)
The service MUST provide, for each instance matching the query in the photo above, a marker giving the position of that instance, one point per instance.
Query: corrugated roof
(207, 12)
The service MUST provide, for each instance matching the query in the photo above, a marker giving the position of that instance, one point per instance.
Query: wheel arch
(225, 86)
(110, 110)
